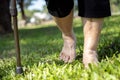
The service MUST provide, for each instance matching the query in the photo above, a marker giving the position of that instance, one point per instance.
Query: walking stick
(13, 11)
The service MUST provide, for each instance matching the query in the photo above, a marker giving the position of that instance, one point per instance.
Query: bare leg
(65, 25)
(92, 29)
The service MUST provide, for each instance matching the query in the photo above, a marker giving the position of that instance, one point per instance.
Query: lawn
(40, 47)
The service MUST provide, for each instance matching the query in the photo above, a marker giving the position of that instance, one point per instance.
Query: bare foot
(89, 56)
(68, 52)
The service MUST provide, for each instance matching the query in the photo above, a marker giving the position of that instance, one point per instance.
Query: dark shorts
(86, 8)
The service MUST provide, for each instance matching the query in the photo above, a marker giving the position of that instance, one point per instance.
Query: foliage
(40, 47)
(115, 5)
(116, 2)
(28, 3)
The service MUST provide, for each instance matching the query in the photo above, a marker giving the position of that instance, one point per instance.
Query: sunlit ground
(40, 47)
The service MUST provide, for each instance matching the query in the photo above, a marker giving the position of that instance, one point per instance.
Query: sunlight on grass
(40, 47)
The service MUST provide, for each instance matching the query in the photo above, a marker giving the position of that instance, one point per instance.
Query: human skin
(92, 29)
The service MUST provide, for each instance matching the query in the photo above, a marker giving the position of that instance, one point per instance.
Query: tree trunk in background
(21, 4)
(5, 17)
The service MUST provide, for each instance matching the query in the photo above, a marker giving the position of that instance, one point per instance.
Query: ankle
(90, 54)
(90, 51)
(69, 37)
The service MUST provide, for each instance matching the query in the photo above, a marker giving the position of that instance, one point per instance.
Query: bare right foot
(90, 56)
(68, 52)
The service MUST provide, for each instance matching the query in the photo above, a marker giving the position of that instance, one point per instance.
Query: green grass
(40, 47)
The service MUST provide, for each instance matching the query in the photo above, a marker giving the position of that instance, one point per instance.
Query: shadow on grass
(110, 42)
(44, 44)
(46, 41)
(36, 43)
(111, 49)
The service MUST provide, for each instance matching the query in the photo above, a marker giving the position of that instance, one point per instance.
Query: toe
(66, 59)
(61, 56)
(71, 59)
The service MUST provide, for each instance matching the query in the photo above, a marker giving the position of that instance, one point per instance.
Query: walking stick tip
(19, 70)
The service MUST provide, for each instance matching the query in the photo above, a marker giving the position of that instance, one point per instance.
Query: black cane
(13, 11)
